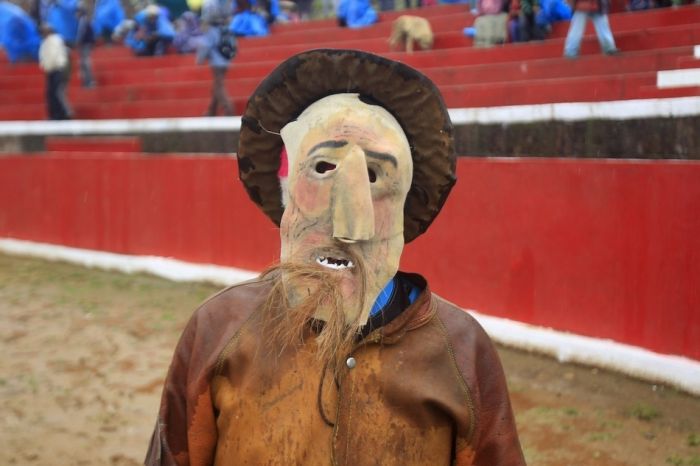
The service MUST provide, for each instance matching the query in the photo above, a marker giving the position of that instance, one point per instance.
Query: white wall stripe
(107, 127)
(678, 78)
(567, 111)
(677, 371)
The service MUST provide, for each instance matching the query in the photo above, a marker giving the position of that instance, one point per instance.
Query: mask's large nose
(351, 204)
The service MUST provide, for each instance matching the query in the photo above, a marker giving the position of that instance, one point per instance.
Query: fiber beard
(298, 293)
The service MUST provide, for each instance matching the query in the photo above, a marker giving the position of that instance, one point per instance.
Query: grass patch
(601, 437)
(677, 460)
(694, 440)
(644, 412)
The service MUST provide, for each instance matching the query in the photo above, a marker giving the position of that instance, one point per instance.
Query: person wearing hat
(334, 356)
(153, 33)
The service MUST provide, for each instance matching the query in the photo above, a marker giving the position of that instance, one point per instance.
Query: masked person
(334, 356)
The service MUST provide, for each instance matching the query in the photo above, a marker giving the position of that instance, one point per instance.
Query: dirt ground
(83, 354)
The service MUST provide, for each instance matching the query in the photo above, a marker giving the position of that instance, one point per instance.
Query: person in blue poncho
(61, 15)
(107, 16)
(19, 35)
(253, 17)
(356, 13)
(188, 33)
(153, 33)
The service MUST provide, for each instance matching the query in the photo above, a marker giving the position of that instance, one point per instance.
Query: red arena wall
(609, 249)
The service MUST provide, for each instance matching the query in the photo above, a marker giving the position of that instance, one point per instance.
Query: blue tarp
(19, 35)
(247, 23)
(552, 11)
(107, 16)
(60, 14)
(356, 13)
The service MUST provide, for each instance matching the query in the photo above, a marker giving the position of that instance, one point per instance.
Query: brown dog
(407, 29)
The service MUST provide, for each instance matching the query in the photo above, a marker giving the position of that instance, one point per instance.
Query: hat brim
(307, 77)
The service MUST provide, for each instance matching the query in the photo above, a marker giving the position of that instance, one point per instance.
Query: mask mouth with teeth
(336, 259)
(335, 263)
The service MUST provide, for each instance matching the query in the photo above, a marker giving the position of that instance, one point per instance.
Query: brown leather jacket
(427, 389)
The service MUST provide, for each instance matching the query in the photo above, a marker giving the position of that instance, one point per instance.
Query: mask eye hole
(372, 175)
(323, 167)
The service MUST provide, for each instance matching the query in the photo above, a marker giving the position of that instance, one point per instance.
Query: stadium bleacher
(513, 74)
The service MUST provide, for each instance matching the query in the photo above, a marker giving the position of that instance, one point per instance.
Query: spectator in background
(153, 33)
(552, 11)
(106, 17)
(253, 18)
(597, 11)
(356, 13)
(61, 15)
(491, 25)
(529, 29)
(84, 41)
(219, 55)
(328, 7)
(636, 5)
(304, 7)
(53, 60)
(122, 30)
(288, 13)
(386, 5)
(212, 9)
(188, 34)
(19, 35)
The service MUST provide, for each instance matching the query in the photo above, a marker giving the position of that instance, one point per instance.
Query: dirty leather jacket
(426, 389)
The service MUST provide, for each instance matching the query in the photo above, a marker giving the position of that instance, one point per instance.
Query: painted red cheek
(311, 196)
(386, 214)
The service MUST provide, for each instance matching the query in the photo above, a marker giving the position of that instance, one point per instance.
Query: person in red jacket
(334, 356)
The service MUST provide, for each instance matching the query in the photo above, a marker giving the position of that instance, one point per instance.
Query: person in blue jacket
(153, 33)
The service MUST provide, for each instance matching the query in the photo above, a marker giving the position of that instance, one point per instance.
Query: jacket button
(351, 363)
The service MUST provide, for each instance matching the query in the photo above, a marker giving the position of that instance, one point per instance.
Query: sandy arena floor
(83, 354)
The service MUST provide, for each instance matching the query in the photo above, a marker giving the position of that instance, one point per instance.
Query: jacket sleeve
(491, 438)
(185, 431)
(496, 437)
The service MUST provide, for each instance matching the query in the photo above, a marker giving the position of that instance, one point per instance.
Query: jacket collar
(415, 315)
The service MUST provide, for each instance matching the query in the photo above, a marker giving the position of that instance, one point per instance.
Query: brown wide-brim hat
(309, 76)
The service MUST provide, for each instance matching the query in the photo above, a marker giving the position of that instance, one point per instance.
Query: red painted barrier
(609, 249)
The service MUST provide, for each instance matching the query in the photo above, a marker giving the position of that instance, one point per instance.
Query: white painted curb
(677, 371)
(567, 111)
(172, 269)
